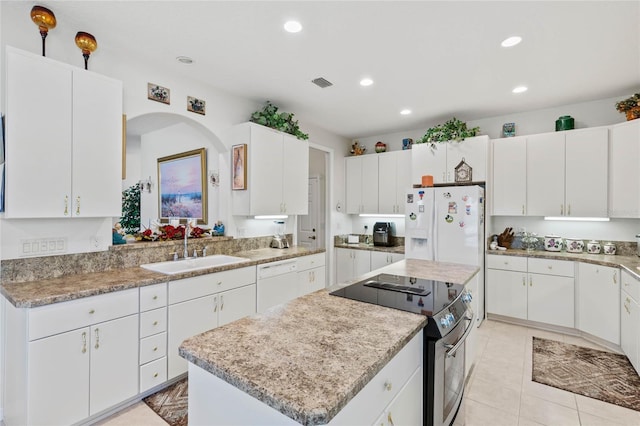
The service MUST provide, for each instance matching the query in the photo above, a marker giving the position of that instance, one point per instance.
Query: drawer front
(631, 285)
(153, 297)
(204, 285)
(60, 317)
(312, 261)
(153, 322)
(153, 347)
(562, 268)
(153, 374)
(383, 387)
(508, 263)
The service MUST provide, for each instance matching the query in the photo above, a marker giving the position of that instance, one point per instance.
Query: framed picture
(182, 189)
(196, 105)
(238, 167)
(158, 93)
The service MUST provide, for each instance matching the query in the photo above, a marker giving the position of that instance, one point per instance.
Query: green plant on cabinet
(283, 121)
(452, 130)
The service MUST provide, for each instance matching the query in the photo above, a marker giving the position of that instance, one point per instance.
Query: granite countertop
(309, 357)
(630, 263)
(371, 247)
(32, 294)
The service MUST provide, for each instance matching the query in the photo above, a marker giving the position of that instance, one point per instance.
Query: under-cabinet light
(271, 216)
(379, 215)
(578, 219)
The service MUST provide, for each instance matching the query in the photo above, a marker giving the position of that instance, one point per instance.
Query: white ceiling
(440, 59)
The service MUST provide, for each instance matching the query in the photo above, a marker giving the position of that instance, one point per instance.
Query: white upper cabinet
(362, 184)
(442, 161)
(394, 180)
(586, 166)
(545, 174)
(277, 167)
(567, 173)
(509, 187)
(624, 170)
(63, 140)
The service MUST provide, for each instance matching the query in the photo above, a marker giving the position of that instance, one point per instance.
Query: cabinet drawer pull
(66, 205)
(550, 267)
(155, 297)
(221, 302)
(569, 210)
(219, 282)
(155, 323)
(155, 375)
(92, 311)
(97, 331)
(561, 210)
(155, 349)
(530, 282)
(78, 205)
(387, 385)
(524, 281)
(615, 278)
(523, 209)
(390, 419)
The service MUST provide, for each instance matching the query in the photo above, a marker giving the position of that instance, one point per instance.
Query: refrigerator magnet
(448, 218)
(453, 207)
(461, 223)
(413, 216)
(467, 209)
(465, 198)
(409, 198)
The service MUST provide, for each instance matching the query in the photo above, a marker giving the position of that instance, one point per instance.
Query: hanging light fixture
(45, 20)
(87, 43)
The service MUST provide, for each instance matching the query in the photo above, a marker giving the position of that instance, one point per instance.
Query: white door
(599, 301)
(387, 174)
(550, 300)
(474, 152)
(295, 174)
(629, 328)
(545, 175)
(429, 161)
(114, 363)
(237, 303)
(59, 378)
(187, 319)
(509, 189)
(507, 293)
(309, 234)
(624, 174)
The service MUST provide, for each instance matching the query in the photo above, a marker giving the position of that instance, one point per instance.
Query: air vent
(321, 82)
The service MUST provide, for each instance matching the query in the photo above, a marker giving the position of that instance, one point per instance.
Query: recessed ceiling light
(520, 89)
(405, 112)
(184, 59)
(292, 26)
(366, 82)
(511, 41)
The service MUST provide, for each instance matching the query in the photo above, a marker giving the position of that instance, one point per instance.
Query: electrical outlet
(95, 242)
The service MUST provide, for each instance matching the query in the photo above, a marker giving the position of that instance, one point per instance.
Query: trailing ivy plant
(283, 121)
(130, 219)
(452, 130)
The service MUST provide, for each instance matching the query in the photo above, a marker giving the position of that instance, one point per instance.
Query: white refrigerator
(446, 224)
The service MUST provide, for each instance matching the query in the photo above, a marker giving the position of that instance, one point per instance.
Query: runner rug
(606, 376)
(171, 403)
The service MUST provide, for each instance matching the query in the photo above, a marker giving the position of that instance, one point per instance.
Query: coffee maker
(279, 238)
(383, 233)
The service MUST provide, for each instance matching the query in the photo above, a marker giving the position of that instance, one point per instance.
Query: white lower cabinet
(68, 361)
(351, 263)
(311, 273)
(153, 336)
(630, 326)
(406, 407)
(380, 259)
(599, 301)
(204, 302)
(533, 289)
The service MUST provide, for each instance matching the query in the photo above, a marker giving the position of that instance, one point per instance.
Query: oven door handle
(453, 348)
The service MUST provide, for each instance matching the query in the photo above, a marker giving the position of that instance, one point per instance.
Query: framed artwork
(158, 93)
(238, 167)
(182, 189)
(196, 105)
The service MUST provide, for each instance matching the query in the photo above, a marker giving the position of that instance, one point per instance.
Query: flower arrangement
(630, 106)
(146, 235)
(283, 121)
(452, 130)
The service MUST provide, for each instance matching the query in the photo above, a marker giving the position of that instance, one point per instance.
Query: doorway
(311, 228)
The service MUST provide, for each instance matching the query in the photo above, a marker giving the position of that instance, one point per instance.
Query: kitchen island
(305, 361)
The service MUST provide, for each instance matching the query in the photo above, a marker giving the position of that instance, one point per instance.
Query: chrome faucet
(185, 253)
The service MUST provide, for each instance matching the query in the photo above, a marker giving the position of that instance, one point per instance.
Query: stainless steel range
(450, 319)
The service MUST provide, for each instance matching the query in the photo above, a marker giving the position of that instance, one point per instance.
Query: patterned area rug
(171, 403)
(596, 374)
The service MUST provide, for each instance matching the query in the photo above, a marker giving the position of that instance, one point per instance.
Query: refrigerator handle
(434, 226)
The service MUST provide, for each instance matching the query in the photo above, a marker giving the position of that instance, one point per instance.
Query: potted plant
(452, 130)
(630, 106)
(130, 219)
(283, 121)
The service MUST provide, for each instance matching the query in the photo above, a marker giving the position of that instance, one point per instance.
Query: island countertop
(309, 357)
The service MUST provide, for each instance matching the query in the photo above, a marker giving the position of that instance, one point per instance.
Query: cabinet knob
(569, 210)
(92, 311)
(219, 282)
(387, 385)
(561, 210)
(155, 375)
(615, 277)
(523, 209)
(550, 267)
(155, 323)
(155, 297)
(390, 419)
(84, 342)
(155, 349)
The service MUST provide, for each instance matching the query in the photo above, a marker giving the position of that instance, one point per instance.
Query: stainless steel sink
(182, 266)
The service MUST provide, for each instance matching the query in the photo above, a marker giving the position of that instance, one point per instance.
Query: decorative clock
(463, 172)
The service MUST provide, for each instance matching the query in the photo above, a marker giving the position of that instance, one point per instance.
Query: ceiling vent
(321, 82)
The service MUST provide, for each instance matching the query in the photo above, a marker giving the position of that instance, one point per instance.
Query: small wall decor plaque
(158, 93)
(509, 130)
(196, 105)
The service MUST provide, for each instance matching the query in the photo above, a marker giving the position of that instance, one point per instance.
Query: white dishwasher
(277, 283)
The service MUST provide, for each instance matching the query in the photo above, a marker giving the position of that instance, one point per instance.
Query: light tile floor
(499, 391)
